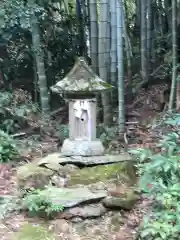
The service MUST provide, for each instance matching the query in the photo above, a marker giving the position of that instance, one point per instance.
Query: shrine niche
(80, 86)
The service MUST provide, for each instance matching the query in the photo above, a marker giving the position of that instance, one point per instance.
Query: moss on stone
(124, 199)
(33, 176)
(29, 169)
(98, 173)
(34, 232)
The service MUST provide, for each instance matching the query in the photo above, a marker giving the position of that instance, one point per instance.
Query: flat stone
(58, 158)
(31, 175)
(82, 148)
(72, 197)
(89, 211)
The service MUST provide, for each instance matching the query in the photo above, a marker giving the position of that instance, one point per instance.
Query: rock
(101, 173)
(118, 202)
(68, 197)
(89, 211)
(70, 167)
(50, 161)
(82, 148)
(76, 220)
(59, 181)
(32, 176)
(59, 159)
(96, 160)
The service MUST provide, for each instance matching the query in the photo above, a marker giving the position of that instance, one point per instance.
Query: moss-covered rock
(124, 200)
(33, 176)
(89, 175)
(34, 232)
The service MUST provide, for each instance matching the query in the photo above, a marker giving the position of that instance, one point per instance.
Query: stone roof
(81, 79)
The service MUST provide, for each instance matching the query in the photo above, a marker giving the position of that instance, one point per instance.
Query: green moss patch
(33, 176)
(99, 173)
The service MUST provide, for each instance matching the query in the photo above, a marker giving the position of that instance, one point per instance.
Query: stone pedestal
(82, 148)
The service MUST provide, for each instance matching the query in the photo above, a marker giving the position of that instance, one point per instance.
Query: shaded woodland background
(130, 47)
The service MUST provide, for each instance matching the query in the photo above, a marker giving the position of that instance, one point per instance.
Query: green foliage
(15, 107)
(106, 134)
(62, 132)
(8, 204)
(160, 180)
(8, 148)
(39, 204)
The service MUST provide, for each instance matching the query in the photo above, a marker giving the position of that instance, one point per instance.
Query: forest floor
(144, 125)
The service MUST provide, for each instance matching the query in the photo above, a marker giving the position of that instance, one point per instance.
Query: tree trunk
(149, 35)
(128, 56)
(103, 71)
(108, 44)
(93, 35)
(38, 55)
(113, 52)
(143, 41)
(174, 56)
(119, 17)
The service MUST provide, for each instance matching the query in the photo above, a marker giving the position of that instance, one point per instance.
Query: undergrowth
(39, 204)
(8, 148)
(160, 181)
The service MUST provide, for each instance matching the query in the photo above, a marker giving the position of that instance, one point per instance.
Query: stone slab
(70, 197)
(86, 211)
(82, 148)
(93, 160)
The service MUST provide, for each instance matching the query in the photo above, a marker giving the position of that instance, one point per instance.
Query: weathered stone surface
(52, 161)
(33, 176)
(57, 158)
(72, 197)
(123, 203)
(82, 148)
(88, 211)
(81, 79)
(101, 173)
(121, 196)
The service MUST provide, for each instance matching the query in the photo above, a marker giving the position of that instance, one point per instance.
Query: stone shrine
(79, 86)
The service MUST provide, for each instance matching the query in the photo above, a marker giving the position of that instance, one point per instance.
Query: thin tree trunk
(128, 56)
(108, 44)
(149, 35)
(174, 56)
(93, 34)
(39, 57)
(119, 16)
(103, 72)
(143, 41)
(113, 52)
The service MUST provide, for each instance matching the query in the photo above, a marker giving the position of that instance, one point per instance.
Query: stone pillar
(84, 127)
(82, 130)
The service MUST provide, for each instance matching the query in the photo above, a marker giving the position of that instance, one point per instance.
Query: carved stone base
(82, 148)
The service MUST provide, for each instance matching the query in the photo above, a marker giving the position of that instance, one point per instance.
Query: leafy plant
(106, 134)
(160, 180)
(40, 204)
(62, 131)
(8, 147)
